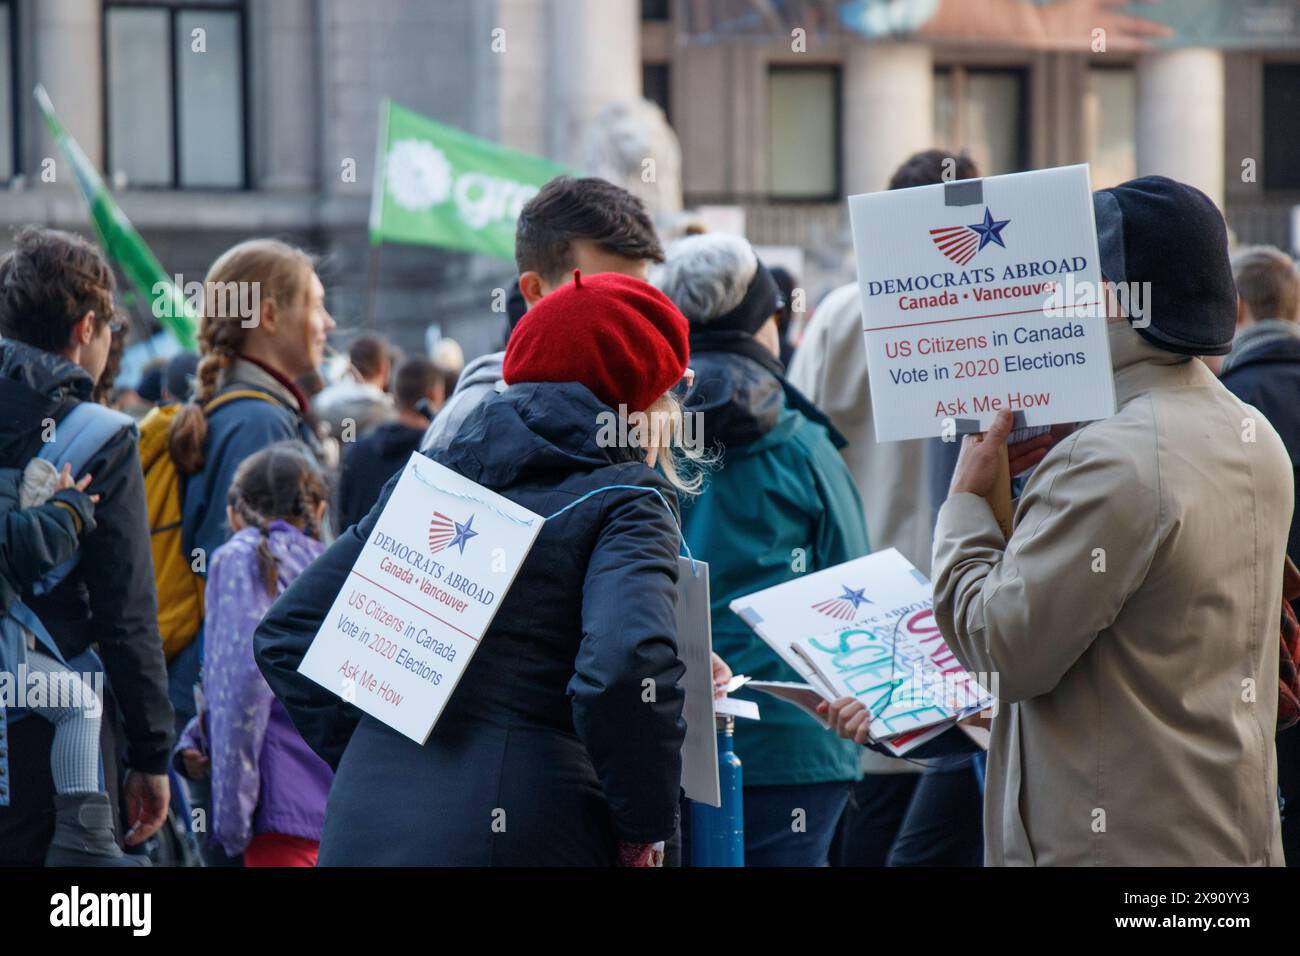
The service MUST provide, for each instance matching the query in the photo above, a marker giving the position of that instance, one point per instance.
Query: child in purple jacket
(268, 787)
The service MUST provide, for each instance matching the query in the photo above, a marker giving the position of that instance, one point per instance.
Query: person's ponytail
(189, 431)
(267, 562)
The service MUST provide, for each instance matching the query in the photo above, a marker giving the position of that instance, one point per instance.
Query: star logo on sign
(463, 533)
(990, 230)
(858, 597)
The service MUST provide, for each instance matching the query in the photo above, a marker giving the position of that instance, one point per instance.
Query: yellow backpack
(180, 589)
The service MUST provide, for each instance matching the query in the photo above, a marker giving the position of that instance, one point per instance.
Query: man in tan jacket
(1133, 616)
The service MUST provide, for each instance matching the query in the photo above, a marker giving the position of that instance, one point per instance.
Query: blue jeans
(944, 825)
(776, 834)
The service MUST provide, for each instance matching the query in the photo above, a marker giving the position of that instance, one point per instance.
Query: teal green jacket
(778, 507)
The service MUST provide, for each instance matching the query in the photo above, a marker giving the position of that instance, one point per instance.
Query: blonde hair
(281, 273)
(684, 463)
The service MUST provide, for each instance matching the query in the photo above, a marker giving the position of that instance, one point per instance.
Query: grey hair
(1267, 282)
(706, 276)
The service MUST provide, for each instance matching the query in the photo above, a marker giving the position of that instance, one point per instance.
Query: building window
(982, 111)
(174, 89)
(8, 93)
(1110, 122)
(1281, 132)
(803, 133)
(655, 79)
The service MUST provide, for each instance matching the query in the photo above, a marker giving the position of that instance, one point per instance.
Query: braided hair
(279, 483)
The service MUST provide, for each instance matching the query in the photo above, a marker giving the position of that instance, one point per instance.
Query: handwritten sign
(420, 596)
(982, 295)
(866, 629)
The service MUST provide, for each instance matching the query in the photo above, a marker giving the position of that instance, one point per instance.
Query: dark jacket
(34, 541)
(782, 502)
(1263, 370)
(109, 598)
(548, 732)
(236, 430)
(368, 463)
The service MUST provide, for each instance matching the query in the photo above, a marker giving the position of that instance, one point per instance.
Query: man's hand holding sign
(982, 308)
(980, 460)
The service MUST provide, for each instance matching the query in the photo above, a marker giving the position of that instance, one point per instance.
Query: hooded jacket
(108, 600)
(549, 724)
(781, 502)
(1132, 620)
(481, 379)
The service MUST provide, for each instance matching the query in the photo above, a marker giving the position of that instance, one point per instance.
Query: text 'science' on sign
(982, 295)
(420, 596)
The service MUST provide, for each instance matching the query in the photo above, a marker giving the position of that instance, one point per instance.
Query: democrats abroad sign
(420, 596)
(982, 295)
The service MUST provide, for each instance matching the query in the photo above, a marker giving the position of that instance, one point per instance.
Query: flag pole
(372, 284)
(378, 185)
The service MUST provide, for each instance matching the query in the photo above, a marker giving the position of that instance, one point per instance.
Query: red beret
(619, 336)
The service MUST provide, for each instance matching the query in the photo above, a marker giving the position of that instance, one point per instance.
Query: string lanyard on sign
(528, 522)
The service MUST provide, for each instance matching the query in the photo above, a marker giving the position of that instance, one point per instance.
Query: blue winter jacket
(236, 430)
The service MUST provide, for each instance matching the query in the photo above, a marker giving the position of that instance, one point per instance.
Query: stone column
(888, 110)
(1180, 118)
(595, 57)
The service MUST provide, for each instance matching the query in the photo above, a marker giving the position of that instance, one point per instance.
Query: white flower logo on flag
(418, 175)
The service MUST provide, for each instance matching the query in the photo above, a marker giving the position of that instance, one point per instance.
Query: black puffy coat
(548, 734)
(108, 600)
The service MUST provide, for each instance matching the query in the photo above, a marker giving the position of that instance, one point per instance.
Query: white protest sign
(420, 596)
(982, 295)
(866, 629)
(695, 648)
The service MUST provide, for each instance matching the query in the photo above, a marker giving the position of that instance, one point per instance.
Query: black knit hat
(1171, 235)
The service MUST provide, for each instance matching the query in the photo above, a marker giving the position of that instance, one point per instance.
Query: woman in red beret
(552, 750)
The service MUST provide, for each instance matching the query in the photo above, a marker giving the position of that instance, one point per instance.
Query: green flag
(120, 240)
(439, 186)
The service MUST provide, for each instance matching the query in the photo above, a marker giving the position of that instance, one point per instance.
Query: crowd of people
(174, 570)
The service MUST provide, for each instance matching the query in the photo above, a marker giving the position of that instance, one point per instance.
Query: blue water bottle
(718, 833)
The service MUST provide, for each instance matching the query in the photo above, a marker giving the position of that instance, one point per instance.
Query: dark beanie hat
(1171, 235)
(619, 336)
